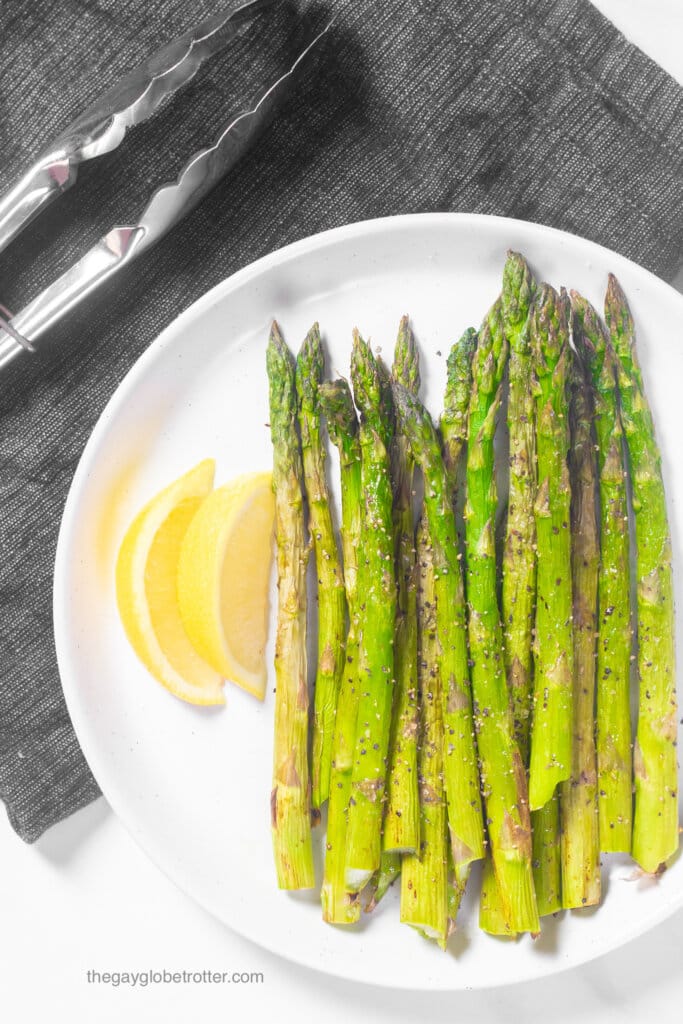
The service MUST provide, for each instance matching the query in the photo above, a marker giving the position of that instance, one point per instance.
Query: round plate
(192, 785)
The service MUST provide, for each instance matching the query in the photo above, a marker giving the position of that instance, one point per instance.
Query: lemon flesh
(147, 592)
(223, 576)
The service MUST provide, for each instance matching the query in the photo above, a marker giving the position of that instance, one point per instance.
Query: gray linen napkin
(537, 109)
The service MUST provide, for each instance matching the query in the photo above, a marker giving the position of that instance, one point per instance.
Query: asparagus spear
(377, 617)
(615, 783)
(580, 838)
(402, 821)
(551, 740)
(503, 775)
(453, 430)
(655, 824)
(331, 598)
(339, 905)
(390, 859)
(424, 879)
(290, 797)
(519, 558)
(519, 554)
(551, 734)
(461, 777)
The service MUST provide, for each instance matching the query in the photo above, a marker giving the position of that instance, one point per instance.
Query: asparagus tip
(406, 367)
(279, 359)
(620, 323)
(616, 304)
(276, 334)
(310, 368)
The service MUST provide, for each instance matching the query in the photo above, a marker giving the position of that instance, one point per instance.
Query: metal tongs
(99, 130)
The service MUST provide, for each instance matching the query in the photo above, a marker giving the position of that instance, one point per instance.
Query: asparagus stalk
(551, 740)
(580, 838)
(402, 821)
(519, 553)
(503, 775)
(655, 824)
(290, 797)
(339, 905)
(615, 783)
(331, 597)
(377, 618)
(519, 557)
(424, 879)
(461, 777)
(390, 859)
(453, 430)
(551, 734)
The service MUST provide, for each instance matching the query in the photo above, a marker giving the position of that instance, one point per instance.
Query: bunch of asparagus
(472, 700)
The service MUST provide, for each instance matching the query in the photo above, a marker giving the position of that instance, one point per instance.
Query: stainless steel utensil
(99, 130)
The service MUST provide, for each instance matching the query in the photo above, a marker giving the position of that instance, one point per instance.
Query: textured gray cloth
(537, 109)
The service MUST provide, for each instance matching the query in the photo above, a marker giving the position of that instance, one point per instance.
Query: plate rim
(218, 292)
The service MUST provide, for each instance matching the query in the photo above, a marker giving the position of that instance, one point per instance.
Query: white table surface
(84, 897)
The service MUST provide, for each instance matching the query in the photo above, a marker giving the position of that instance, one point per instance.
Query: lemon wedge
(223, 576)
(146, 589)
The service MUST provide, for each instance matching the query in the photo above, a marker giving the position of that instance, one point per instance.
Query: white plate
(192, 785)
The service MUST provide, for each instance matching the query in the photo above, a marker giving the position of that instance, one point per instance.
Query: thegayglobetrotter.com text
(142, 979)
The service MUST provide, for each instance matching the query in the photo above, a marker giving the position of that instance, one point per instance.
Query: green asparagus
(461, 777)
(402, 821)
(551, 733)
(331, 596)
(519, 558)
(615, 783)
(503, 775)
(447, 729)
(339, 905)
(453, 431)
(377, 620)
(580, 838)
(519, 554)
(290, 797)
(424, 878)
(655, 823)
